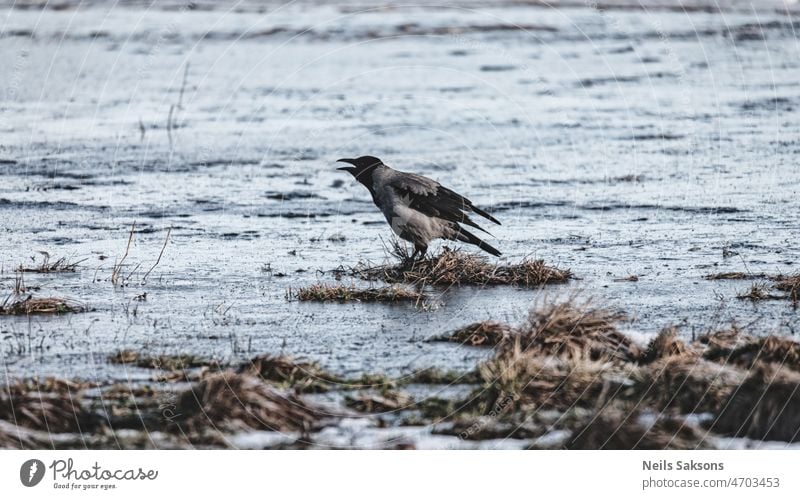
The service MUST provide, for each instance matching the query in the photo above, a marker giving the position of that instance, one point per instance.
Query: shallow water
(655, 143)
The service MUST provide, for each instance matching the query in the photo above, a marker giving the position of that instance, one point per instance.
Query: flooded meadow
(177, 247)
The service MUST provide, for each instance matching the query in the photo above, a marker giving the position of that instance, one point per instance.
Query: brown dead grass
(14, 305)
(759, 291)
(569, 367)
(486, 333)
(51, 405)
(301, 376)
(770, 349)
(436, 376)
(370, 381)
(762, 290)
(666, 344)
(178, 362)
(577, 330)
(620, 427)
(723, 341)
(388, 401)
(734, 276)
(238, 402)
(454, 267)
(685, 382)
(342, 293)
(568, 354)
(765, 407)
(791, 285)
(48, 267)
(17, 437)
(524, 381)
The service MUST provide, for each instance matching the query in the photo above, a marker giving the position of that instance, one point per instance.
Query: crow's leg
(420, 249)
(418, 255)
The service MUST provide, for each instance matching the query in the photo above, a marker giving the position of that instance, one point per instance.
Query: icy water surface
(655, 143)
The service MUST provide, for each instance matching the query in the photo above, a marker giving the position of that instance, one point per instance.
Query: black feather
(468, 237)
(444, 204)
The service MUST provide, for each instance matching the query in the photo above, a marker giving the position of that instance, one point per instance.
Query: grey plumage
(417, 208)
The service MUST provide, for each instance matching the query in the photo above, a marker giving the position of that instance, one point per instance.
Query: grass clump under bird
(343, 293)
(454, 267)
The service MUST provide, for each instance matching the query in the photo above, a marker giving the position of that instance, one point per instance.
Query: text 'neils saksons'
(664, 465)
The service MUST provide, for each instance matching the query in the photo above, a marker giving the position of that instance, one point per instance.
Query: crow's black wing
(444, 191)
(429, 197)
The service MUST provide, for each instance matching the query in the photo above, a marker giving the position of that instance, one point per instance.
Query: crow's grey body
(417, 208)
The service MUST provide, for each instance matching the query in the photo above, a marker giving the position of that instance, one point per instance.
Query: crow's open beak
(346, 160)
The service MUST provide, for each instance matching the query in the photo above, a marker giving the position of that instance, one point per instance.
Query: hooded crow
(417, 208)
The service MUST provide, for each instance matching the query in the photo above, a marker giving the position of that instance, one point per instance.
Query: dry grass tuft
(577, 331)
(686, 382)
(338, 292)
(301, 376)
(765, 407)
(370, 381)
(724, 340)
(763, 290)
(166, 362)
(524, 381)
(759, 291)
(48, 267)
(51, 405)
(32, 306)
(454, 267)
(734, 276)
(18, 437)
(486, 333)
(769, 349)
(237, 402)
(619, 427)
(791, 285)
(388, 401)
(134, 406)
(665, 344)
(435, 376)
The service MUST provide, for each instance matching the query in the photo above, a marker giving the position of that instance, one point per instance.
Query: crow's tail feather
(469, 237)
(468, 221)
(485, 215)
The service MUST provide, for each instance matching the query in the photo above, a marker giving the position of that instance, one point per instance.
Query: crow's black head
(362, 168)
